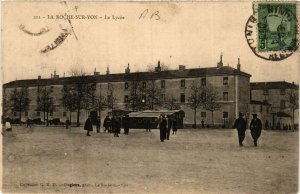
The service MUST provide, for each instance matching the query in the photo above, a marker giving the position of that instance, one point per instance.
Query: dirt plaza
(55, 159)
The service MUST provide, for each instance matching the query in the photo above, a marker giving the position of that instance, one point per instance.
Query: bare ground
(59, 160)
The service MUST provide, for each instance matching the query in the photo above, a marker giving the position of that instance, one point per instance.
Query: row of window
(282, 92)
(182, 83)
(182, 97)
(39, 114)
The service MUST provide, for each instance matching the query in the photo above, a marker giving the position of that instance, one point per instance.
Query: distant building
(231, 85)
(275, 94)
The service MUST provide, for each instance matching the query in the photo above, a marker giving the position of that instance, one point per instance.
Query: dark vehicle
(139, 120)
(55, 121)
(36, 121)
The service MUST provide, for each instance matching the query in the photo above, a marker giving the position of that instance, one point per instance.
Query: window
(26, 113)
(225, 81)
(282, 92)
(203, 114)
(225, 96)
(266, 92)
(253, 108)
(51, 113)
(268, 109)
(182, 83)
(163, 97)
(182, 97)
(38, 114)
(64, 114)
(261, 108)
(225, 114)
(15, 113)
(144, 85)
(109, 86)
(126, 98)
(282, 104)
(203, 82)
(162, 83)
(126, 85)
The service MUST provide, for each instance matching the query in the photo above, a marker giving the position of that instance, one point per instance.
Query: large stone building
(231, 85)
(274, 98)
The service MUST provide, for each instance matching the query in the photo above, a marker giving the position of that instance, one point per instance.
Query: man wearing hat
(255, 127)
(240, 125)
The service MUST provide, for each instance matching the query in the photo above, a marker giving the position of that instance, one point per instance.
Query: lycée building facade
(231, 85)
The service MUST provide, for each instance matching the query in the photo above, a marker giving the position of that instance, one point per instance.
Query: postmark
(272, 31)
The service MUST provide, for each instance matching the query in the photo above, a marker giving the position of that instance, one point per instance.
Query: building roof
(120, 77)
(259, 103)
(272, 85)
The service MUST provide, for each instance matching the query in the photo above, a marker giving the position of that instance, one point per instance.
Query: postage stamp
(277, 26)
(272, 31)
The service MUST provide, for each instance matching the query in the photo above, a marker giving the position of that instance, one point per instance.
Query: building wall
(172, 89)
(275, 97)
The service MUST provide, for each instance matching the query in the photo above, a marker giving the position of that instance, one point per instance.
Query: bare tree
(172, 104)
(20, 101)
(153, 95)
(80, 91)
(195, 100)
(110, 99)
(135, 98)
(209, 101)
(293, 100)
(45, 102)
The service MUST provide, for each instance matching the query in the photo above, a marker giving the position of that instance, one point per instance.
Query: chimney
(181, 67)
(64, 74)
(39, 77)
(220, 64)
(158, 68)
(127, 70)
(107, 71)
(238, 65)
(95, 72)
(51, 75)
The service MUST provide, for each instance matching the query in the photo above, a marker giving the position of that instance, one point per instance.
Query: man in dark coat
(115, 126)
(169, 126)
(240, 125)
(162, 128)
(28, 123)
(98, 124)
(88, 126)
(255, 127)
(67, 123)
(126, 125)
(175, 126)
(148, 126)
(107, 124)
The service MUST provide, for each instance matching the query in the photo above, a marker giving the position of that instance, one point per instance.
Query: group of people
(255, 127)
(111, 125)
(165, 124)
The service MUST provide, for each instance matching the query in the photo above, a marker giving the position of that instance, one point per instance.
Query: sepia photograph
(150, 97)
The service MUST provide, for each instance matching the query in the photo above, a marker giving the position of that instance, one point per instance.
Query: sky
(190, 34)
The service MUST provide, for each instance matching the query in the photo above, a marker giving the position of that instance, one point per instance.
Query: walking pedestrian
(126, 124)
(175, 126)
(107, 124)
(168, 128)
(240, 125)
(202, 124)
(98, 124)
(266, 125)
(162, 127)
(88, 126)
(67, 123)
(115, 126)
(148, 126)
(28, 123)
(255, 127)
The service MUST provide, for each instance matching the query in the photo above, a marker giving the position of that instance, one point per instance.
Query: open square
(55, 159)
